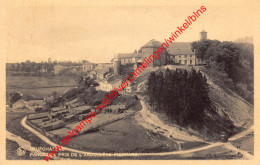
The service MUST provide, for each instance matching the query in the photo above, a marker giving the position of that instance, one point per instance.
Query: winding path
(46, 140)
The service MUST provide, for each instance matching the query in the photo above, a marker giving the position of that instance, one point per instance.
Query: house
(88, 67)
(49, 99)
(108, 85)
(19, 104)
(180, 53)
(58, 68)
(43, 69)
(176, 53)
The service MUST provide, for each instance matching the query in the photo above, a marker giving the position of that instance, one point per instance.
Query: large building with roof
(177, 53)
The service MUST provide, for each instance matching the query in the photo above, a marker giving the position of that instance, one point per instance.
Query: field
(39, 86)
(123, 136)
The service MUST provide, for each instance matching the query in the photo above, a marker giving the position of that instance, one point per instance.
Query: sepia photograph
(114, 80)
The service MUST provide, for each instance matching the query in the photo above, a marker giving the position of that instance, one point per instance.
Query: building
(177, 53)
(180, 53)
(57, 109)
(88, 67)
(19, 104)
(109, 84)
(101, 73)
(58, 68)
(104, 65)
(138, 57)
(81, 110)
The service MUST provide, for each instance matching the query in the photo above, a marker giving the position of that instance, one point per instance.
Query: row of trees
(183, 95)
(38, 68)
(29, 66)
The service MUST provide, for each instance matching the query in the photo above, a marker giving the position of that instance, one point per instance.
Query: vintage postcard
(88, 81)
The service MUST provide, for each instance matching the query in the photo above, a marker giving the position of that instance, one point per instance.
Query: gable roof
(19, 102)
(179, 48)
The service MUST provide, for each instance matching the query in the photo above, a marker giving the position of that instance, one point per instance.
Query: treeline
(43, 68)
(182, 95)
(236, 60)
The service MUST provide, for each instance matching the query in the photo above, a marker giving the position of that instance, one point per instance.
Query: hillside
(229, 106)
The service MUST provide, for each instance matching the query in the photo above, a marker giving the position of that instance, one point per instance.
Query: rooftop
(180, 48)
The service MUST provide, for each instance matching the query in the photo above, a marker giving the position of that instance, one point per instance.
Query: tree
(181, 94)
(228, 54)
(200, 48)
(86, 82)
(15, 96)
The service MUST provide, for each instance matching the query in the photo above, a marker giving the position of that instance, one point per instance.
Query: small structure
(36, 103)
(34, 116)
(101, 73)
(115, 109)
(56, 109)
(108, 85)
(19, 104)
(70, 117)
(87, 67)
(81, 110)
(53, 125)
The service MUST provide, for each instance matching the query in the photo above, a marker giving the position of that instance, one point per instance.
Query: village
(54, 114)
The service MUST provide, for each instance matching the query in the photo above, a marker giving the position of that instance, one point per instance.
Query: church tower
(203, 35)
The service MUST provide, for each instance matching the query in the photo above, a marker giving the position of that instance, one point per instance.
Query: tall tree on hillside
(152, 89)
(228, 53)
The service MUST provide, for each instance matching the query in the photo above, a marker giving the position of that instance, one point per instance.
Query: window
(185, 56)
(185, 61)
(191, 55)
(190, 61)
(179, 61)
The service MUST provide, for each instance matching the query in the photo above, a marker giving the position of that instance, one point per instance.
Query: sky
(83, 30)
